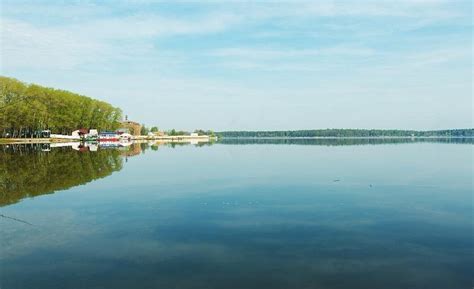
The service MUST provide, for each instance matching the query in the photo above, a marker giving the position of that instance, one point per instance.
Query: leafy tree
(27, 109)
(175, 132)
(144, 130)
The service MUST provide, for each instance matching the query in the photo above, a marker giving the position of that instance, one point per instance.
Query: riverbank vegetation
(28, 109)
(346, 133)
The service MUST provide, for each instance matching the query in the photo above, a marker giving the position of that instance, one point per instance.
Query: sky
(252, 65)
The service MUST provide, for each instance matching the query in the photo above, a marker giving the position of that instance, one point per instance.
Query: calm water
(266, 214)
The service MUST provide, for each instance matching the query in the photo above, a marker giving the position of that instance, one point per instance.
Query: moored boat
(125, 137)
(108, 137)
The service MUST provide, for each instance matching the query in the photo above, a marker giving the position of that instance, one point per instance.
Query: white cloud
(142, 26)
(89, 33)
(400, 8)
(272, 53)
(436, 9)
(127, 50)
(68, 46)
(24, 45)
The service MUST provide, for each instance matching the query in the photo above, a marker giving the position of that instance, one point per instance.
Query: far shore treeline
(27, 109)
(346, 133)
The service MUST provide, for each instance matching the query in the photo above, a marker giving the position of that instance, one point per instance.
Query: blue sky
(252, 64)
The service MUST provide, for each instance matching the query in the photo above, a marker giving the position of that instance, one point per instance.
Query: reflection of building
(130, 127)
(132, 150)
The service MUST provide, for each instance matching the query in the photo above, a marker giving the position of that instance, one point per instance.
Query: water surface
(267, 214)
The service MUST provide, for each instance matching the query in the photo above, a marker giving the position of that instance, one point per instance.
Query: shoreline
(31, 140)
(185, 138)
(177, 139)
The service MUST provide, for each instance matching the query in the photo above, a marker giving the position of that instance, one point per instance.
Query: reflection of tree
(28, 171)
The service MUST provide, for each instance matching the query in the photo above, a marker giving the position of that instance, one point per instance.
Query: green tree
(26, 109)
(144, 130)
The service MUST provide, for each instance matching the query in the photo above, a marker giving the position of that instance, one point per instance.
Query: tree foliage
(144, 130)
(204, 132)
(340, 141)
(175, 132)
(26, 109)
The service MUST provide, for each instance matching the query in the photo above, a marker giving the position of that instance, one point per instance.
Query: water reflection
(29, 170)
(32, 170)
(263, 216)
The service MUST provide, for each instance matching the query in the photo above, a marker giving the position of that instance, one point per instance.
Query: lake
(238, 214)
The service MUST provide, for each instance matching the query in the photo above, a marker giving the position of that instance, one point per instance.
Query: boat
(108, 137)
(125, 137)
(90, 138)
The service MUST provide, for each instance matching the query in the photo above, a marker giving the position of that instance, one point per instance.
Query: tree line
(340, 141)
(173, 132)
(347, 133)
(28, 109)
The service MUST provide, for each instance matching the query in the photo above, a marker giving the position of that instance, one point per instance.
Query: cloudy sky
(252, 64)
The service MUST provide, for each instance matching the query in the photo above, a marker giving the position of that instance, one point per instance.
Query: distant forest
(340, 141)
(346, 133)
(27, 109)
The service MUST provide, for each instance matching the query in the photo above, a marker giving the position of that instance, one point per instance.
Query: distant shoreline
(349, 133)
(354, 137)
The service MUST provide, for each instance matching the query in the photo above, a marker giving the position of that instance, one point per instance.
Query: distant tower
(126, 117)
